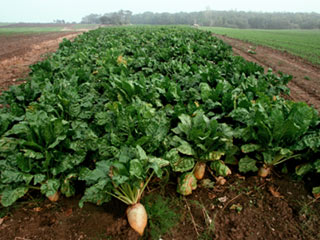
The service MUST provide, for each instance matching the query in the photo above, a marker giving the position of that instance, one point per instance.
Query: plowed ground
(17, 52)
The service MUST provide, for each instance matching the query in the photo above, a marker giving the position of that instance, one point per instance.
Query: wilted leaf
(221, 180)
(186, 184)
(121, 60)
(236, 207)
(207, 183)
(37, 209)
(223, 199)
(274, 192)
(212, 195)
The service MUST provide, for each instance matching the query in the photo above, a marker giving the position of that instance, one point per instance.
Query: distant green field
(28, 30)
(303, 43)
(45, 29)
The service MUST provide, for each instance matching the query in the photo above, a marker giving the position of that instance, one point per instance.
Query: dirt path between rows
(17, 53)
(305, 85)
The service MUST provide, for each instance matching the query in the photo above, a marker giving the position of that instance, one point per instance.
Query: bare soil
(17, 52)
(305, 85)
(14, 25)
(252, 208)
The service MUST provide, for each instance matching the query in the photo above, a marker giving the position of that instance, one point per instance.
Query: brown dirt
(17, 52)
(247, 209)
(206, 214)
(65, 220)
(14, 25)
(305, 85)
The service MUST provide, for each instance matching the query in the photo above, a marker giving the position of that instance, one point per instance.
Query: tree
(91, 19)
(209, 17)
(58, 21)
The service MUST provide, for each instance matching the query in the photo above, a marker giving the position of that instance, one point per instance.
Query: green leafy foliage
(247, 164)
(118, 105)
(275, 131)
(220, 168)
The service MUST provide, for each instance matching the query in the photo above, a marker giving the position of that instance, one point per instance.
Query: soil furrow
(305, 85)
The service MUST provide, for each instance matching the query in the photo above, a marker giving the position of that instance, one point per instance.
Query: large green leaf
(303, 169)
(38, 178)
(178, 163)
(220, 168)
(185, 125)
(101, 171)
(20, 128)
(185, 148)
(205, 91)
(157, 164)
(247, 164)
(67, 162)
(136, 169)
(50, 187)
(247, 148)
(10, 175)
(308, 141)
(97, 193)
(9, 196)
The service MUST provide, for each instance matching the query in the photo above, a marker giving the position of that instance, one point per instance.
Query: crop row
(119, 105)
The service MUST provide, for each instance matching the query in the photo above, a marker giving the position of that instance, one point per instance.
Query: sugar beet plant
(117, 105)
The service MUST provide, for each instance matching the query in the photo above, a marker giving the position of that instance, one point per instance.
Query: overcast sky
(74, 10)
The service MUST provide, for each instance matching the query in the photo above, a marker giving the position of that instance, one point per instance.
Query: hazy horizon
(70, 11)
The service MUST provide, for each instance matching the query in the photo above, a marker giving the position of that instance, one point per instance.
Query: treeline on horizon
(230, 19)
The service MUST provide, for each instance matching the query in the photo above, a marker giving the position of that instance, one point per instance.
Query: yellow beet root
(264, 171)
(137, 217)
(54, 197)
(199, 170)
